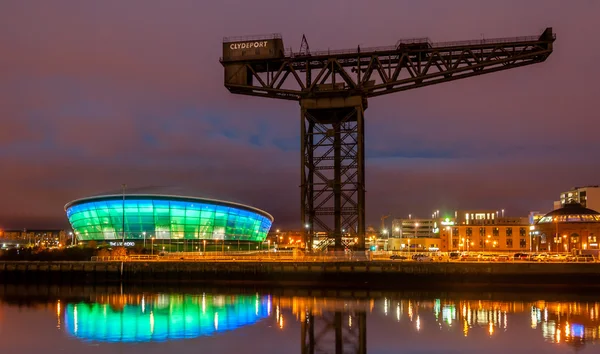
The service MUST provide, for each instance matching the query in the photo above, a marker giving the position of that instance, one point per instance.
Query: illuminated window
(508, 231)
(509, 243)
(469, 231)
(496, 231)
(522, 231)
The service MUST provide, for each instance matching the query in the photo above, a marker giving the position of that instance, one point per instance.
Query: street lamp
(144, 233)
(416, 227)
(204, 247)
(556, 237)
(152, 245)
(385, 232)
(123, 186)
(449, 232)
(531, 230)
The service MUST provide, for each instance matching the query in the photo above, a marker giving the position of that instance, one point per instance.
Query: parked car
(470, 257)
(501, 258)
(454, 255)
(542, 257)
(398, 257)
(521, 256)
(557, 258)
(581, 258)
(423, 258)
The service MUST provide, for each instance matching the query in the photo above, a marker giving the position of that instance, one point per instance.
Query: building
(588, 197)
(414, 235)
(35, 237)
(145, 217)
(567, 229)
(505, 235)
(477, 217)
(413, 228)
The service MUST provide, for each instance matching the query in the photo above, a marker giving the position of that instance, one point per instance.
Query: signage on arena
(127, 244)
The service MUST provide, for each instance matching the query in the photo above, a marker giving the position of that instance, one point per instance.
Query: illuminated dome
(571, 212)
(165, 217)
(164, 317)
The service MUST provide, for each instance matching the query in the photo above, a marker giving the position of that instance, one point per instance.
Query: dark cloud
(93, 95)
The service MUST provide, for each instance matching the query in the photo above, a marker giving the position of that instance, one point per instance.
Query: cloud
(98, 94)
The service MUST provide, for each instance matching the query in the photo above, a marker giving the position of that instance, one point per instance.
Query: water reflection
(144, 318)
(316, 322)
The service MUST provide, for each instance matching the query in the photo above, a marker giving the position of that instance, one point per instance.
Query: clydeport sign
(248, 45)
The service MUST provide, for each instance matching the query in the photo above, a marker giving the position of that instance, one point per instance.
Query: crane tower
(333, 88)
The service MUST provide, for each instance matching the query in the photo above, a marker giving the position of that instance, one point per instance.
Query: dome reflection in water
(163, 317)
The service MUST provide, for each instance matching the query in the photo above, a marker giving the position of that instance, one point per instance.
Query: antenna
(304, 49)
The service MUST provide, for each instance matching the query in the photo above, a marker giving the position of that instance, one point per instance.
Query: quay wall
(373, 274)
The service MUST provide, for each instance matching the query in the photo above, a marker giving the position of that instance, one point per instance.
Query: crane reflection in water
(162, 317)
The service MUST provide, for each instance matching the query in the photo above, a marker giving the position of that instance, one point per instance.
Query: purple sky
(96, 94)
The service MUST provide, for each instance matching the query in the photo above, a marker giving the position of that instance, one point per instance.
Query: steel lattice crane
(332, 88)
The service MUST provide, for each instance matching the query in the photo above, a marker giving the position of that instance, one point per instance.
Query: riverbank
(368, 275)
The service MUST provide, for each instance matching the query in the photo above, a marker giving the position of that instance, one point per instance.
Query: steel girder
(333, 169)
(378, 71)
(334, 333)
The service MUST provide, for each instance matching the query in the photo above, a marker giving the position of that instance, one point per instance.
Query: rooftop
(571, 212)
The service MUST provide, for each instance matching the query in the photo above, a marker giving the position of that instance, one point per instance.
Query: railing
(263, 256)
(259, 37)
(424, 40)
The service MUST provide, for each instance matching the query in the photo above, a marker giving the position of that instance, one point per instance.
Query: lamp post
(416, 228)
(204, 247)
(556, 237)
(385, 232)
(531, 230)
(144, 233)
(152, 245)
(307, 238)
(449, 232)
(123, 186)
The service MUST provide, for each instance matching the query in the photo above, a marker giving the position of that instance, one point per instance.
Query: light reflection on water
(161, 317)
(310, 324)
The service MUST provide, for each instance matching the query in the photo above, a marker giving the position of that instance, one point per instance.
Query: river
(102, 320)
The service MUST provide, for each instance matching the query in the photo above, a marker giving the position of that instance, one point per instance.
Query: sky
(97, 94)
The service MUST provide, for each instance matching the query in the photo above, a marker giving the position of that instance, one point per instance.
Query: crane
(383, 217)
(333, 88)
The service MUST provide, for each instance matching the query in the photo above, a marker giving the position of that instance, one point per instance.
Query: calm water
(82, 320)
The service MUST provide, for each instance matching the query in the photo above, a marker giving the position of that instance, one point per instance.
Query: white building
(588, 196)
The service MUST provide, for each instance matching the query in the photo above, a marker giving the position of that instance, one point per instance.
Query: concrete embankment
(376, 274)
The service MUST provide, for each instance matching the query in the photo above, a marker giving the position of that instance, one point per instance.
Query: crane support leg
(333, 171)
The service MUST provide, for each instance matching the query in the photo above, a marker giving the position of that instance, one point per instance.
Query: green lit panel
(164, 218)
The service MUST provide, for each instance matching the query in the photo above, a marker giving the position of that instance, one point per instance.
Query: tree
(119, 252)
(103, 252)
